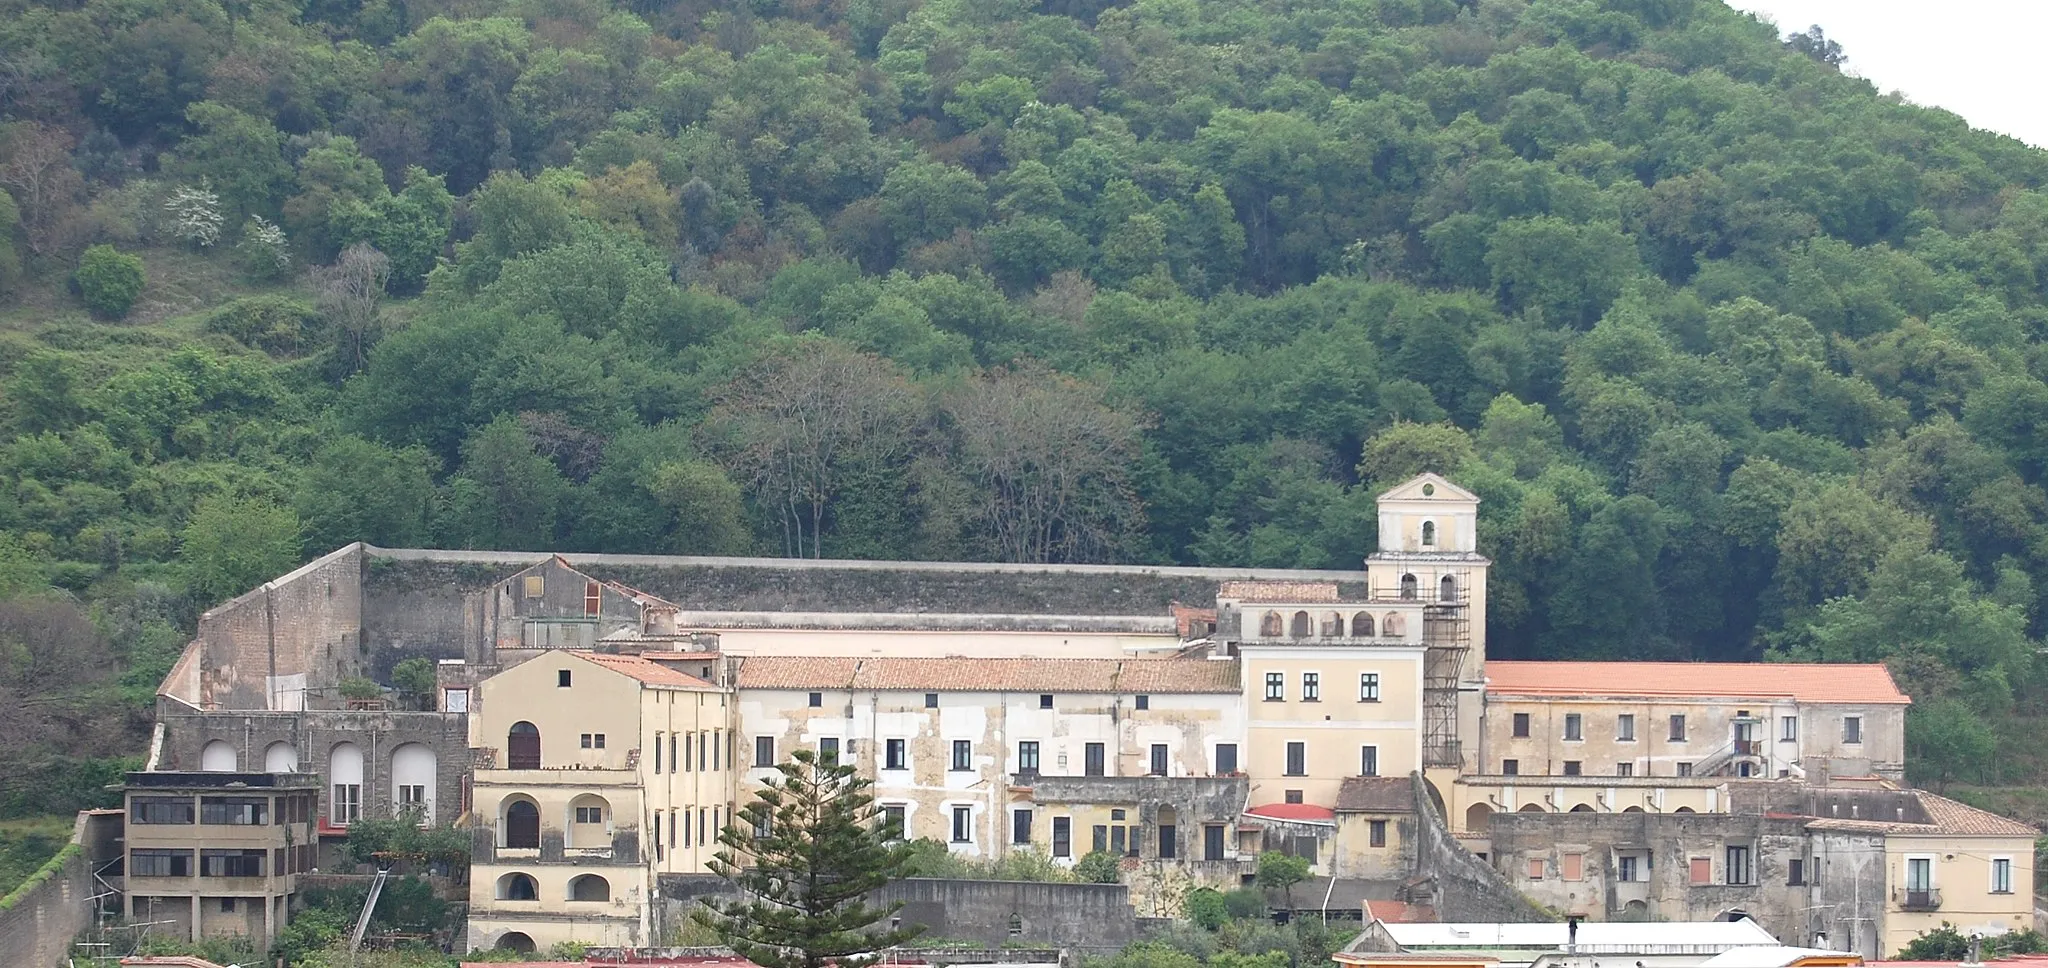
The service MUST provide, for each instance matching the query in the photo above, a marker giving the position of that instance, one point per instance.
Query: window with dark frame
(1158, 759)
(1062, 837)
(1144, 702)
(1020, 826)
(963, 755)
(893, 754)
(931, 700)
(1045, 700)
(1297, 758)
(1521, 725)
(963, 825)
(1678, 728)
(1276, 687)
(1368, 687)
(764, 751)
(1311, 687)
(562, 678)
(1226, 759)
(815, 700)
(1092, 760)
(1376, 833)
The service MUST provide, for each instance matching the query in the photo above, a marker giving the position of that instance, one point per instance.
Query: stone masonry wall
(1465, 887)
(284, 642)
(1061, 915)
(37, 928)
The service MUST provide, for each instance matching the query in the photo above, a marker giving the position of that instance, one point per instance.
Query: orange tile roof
(647, 671)
(1292, 811)
(1961, 818)
(1805, 682)
(990, 675)
(1279, 591)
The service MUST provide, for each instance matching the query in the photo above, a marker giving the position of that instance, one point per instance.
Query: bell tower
(1429, 551)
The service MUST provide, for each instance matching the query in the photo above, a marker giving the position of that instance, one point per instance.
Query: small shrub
(263, 250)
(276, 325)
(358, 687)
(1245, 902)
(108, 280)
(1204, 906)
(1099, 867)
(195, 215)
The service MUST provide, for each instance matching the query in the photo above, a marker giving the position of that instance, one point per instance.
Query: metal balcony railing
(1917, 898)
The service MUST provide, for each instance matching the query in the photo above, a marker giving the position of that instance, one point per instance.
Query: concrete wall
(37, 929)
(1052, 914)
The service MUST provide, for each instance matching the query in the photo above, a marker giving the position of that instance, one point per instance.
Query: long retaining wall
(41, 917)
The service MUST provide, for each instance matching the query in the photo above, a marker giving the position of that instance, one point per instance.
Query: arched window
(518, 887)
(522, 747)
(280, 757)
(1333, 625)
(1632, 810)
(345, 774)
(590, 887)
(1477, 816)
(521, 824)
(414, 769)
(1532, 808)
(516, 941)
(1683, 810)
(217, 757)
(1447, 589)
(1269, 625)
(1361, 625)
(1429, 534)
(1408, 587)
(1394, 626)
(1300, 626)
(587, 816)
(1583, 808)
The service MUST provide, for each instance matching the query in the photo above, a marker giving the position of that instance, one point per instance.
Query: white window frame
(1788, 729)
(1858, 720)
(1933, 872)
(1627, 735)
(953, 823)
(1286, 754)
(1565, 730)
(904, 764)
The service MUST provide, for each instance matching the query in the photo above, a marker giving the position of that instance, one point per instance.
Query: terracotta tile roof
(646, 670)
(990, 675)
(1279, 591)
(1292, 811)
(1376, 794)
(1945, 817)
(1185, 617)
(1399, 912)
(1805, 682)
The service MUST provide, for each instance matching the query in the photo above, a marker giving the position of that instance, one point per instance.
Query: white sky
(1977, 58)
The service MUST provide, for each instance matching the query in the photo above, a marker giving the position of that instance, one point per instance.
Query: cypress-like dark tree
(805, 854)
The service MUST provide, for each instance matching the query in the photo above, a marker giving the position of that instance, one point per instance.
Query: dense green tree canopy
(1744, 359)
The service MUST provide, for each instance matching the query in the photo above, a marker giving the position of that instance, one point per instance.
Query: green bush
(1099, 867)
(1245, 902)
(277, 325)
(108, 281)
(1204, 906)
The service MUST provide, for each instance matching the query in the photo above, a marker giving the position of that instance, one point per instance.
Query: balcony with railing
(1917, 898)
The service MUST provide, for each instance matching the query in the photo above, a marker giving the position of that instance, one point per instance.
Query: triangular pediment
(1428, 487)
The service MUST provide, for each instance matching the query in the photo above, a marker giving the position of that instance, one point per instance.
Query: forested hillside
(1744, 358)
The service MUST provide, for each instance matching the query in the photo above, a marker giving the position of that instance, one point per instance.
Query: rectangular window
(1678, 728)
(1062, 836)
(963, 755)
(702, 836)
(561, 678)
(892, 822)
(1368, 761)
(1511, 768)
(1099, 839)
(2001, 875)
(163, 810)
(1852, 729)
(1624, 769)
(455, 700)
(1919, 874)
(1788, 728)
(232, 863)
(1091, 759)
(1625, 867)
(159, 863)
(963, 824)
(674, 761)
(1158, 759)
(1521, 725)
(1738, 864)
(828, 749)
(1311, 687)
(1144, 702)
(1700, 870)
(535, 586)
(1169, 841)
(672, 828)
(346, 806)
(1027, 756)
(1291, 796)
(1020, 826)
(1573, 727)
(589, 814)
(1226, 759)
(764, 824)
(1376, 833)
(1572, 867)
(764, 751)
(893, 755)
(717, 748)
(816, 700)
(1571, 768)
(657, 753)
(1276, 687)
(931, 700)
(1045, 700)
(593, 741)
(1212, 841)
(412, 796)
(1685, 769)
(1297, 759)
(1625, 728)
(1536, 867)
(1116, 840)
(1795, 872)
(1368, 687)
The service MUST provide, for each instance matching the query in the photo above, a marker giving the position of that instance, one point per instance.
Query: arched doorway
(1299, 628)
(590, 887)
(280, 757)
(1477, 817)
(217, 757)
(522, 747)
(521, 823)
(518, 887)
(1409, 587)
(1361, 625)
(516, 941)
(1447, 589)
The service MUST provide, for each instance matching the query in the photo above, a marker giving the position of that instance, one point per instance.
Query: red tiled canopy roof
(1805, 682)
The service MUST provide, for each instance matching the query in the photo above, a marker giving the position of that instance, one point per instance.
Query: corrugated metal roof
(1594, 936)
(1806, 682)
(1768, 956)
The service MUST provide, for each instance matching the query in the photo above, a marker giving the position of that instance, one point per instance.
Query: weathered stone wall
(38, 924)
(1062, 915)
(1462, 887)
(287, 643)
(314, 734)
